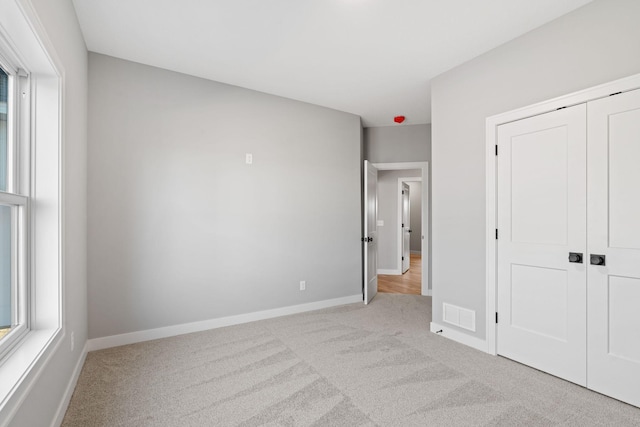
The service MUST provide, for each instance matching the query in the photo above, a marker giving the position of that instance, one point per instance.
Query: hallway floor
(409, 283)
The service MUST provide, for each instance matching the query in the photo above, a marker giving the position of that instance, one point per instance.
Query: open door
(370, 239)
(406, 228)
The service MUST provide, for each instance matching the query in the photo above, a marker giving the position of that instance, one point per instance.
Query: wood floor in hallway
(408, 283)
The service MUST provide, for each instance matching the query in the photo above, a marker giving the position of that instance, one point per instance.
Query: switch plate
(249, 158)
(303, 285)
(380, 223)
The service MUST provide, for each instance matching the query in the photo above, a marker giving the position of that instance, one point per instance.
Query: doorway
(402, 261)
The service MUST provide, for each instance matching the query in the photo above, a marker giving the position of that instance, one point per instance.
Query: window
(5, 214)
(13, 210)
(31, 210)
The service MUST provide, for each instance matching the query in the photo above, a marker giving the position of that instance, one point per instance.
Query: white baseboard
(460, 337)
(416, 252)
(187, 328)
(389, 272)
(66, 397)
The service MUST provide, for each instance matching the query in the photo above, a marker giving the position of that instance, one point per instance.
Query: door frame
(399, 218)
(491, 139)
(424, 167)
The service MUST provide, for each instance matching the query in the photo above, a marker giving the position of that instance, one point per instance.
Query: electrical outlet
(249, 158)
(303, 285)
(73, 341)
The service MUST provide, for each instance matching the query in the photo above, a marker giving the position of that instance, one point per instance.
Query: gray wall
(403, 143)
(182, 230)
(592, 45)
(41, 403)
(415, 196)
(388, 212)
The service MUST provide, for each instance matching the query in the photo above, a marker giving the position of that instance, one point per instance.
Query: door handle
(575, 257)
(409, 231)
(598, 259)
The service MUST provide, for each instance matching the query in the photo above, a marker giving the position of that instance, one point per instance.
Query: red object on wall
(398, 119)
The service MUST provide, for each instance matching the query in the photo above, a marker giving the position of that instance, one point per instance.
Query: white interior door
(370, 238)
(541, 219)
(614, 232)
(406, 228)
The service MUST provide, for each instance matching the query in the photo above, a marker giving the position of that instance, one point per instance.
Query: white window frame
(25, 45)
(16, 197)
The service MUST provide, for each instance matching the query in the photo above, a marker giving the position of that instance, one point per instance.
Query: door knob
(575, 257)
(598, 260)
(409, 231)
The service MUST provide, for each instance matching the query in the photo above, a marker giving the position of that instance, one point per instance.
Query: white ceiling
(373, 58)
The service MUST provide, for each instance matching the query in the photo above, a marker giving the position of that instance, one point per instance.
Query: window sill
(23, 365)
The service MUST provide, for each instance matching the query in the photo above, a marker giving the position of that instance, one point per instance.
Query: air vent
(458, 316)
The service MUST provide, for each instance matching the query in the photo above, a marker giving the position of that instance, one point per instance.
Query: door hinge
(402, 225)
(496, 234)
(402, 191)
(402, 258)
(496, 149)
(496, 317)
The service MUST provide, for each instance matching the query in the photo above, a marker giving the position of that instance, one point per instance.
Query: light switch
(380, 223)
(249, 158)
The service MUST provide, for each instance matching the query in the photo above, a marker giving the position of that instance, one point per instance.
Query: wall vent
(458, 316)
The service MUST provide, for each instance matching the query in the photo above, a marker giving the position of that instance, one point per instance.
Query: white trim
(492, 123)
(400, 166)
(424, 166)
(428, 293)
(68, 392)
(416, 252)
(459, 337)
(187, 328)
(389, 272)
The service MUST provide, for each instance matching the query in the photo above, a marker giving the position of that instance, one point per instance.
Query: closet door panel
(613, 361)
(624, 192)
(541, 218)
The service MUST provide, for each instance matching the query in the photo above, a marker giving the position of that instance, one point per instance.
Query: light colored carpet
(353, 365)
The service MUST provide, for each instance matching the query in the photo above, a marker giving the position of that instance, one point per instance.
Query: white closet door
(541, 219)
(614, 232)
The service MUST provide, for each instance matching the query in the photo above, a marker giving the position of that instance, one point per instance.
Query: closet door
(541, 219)
(614, 233)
